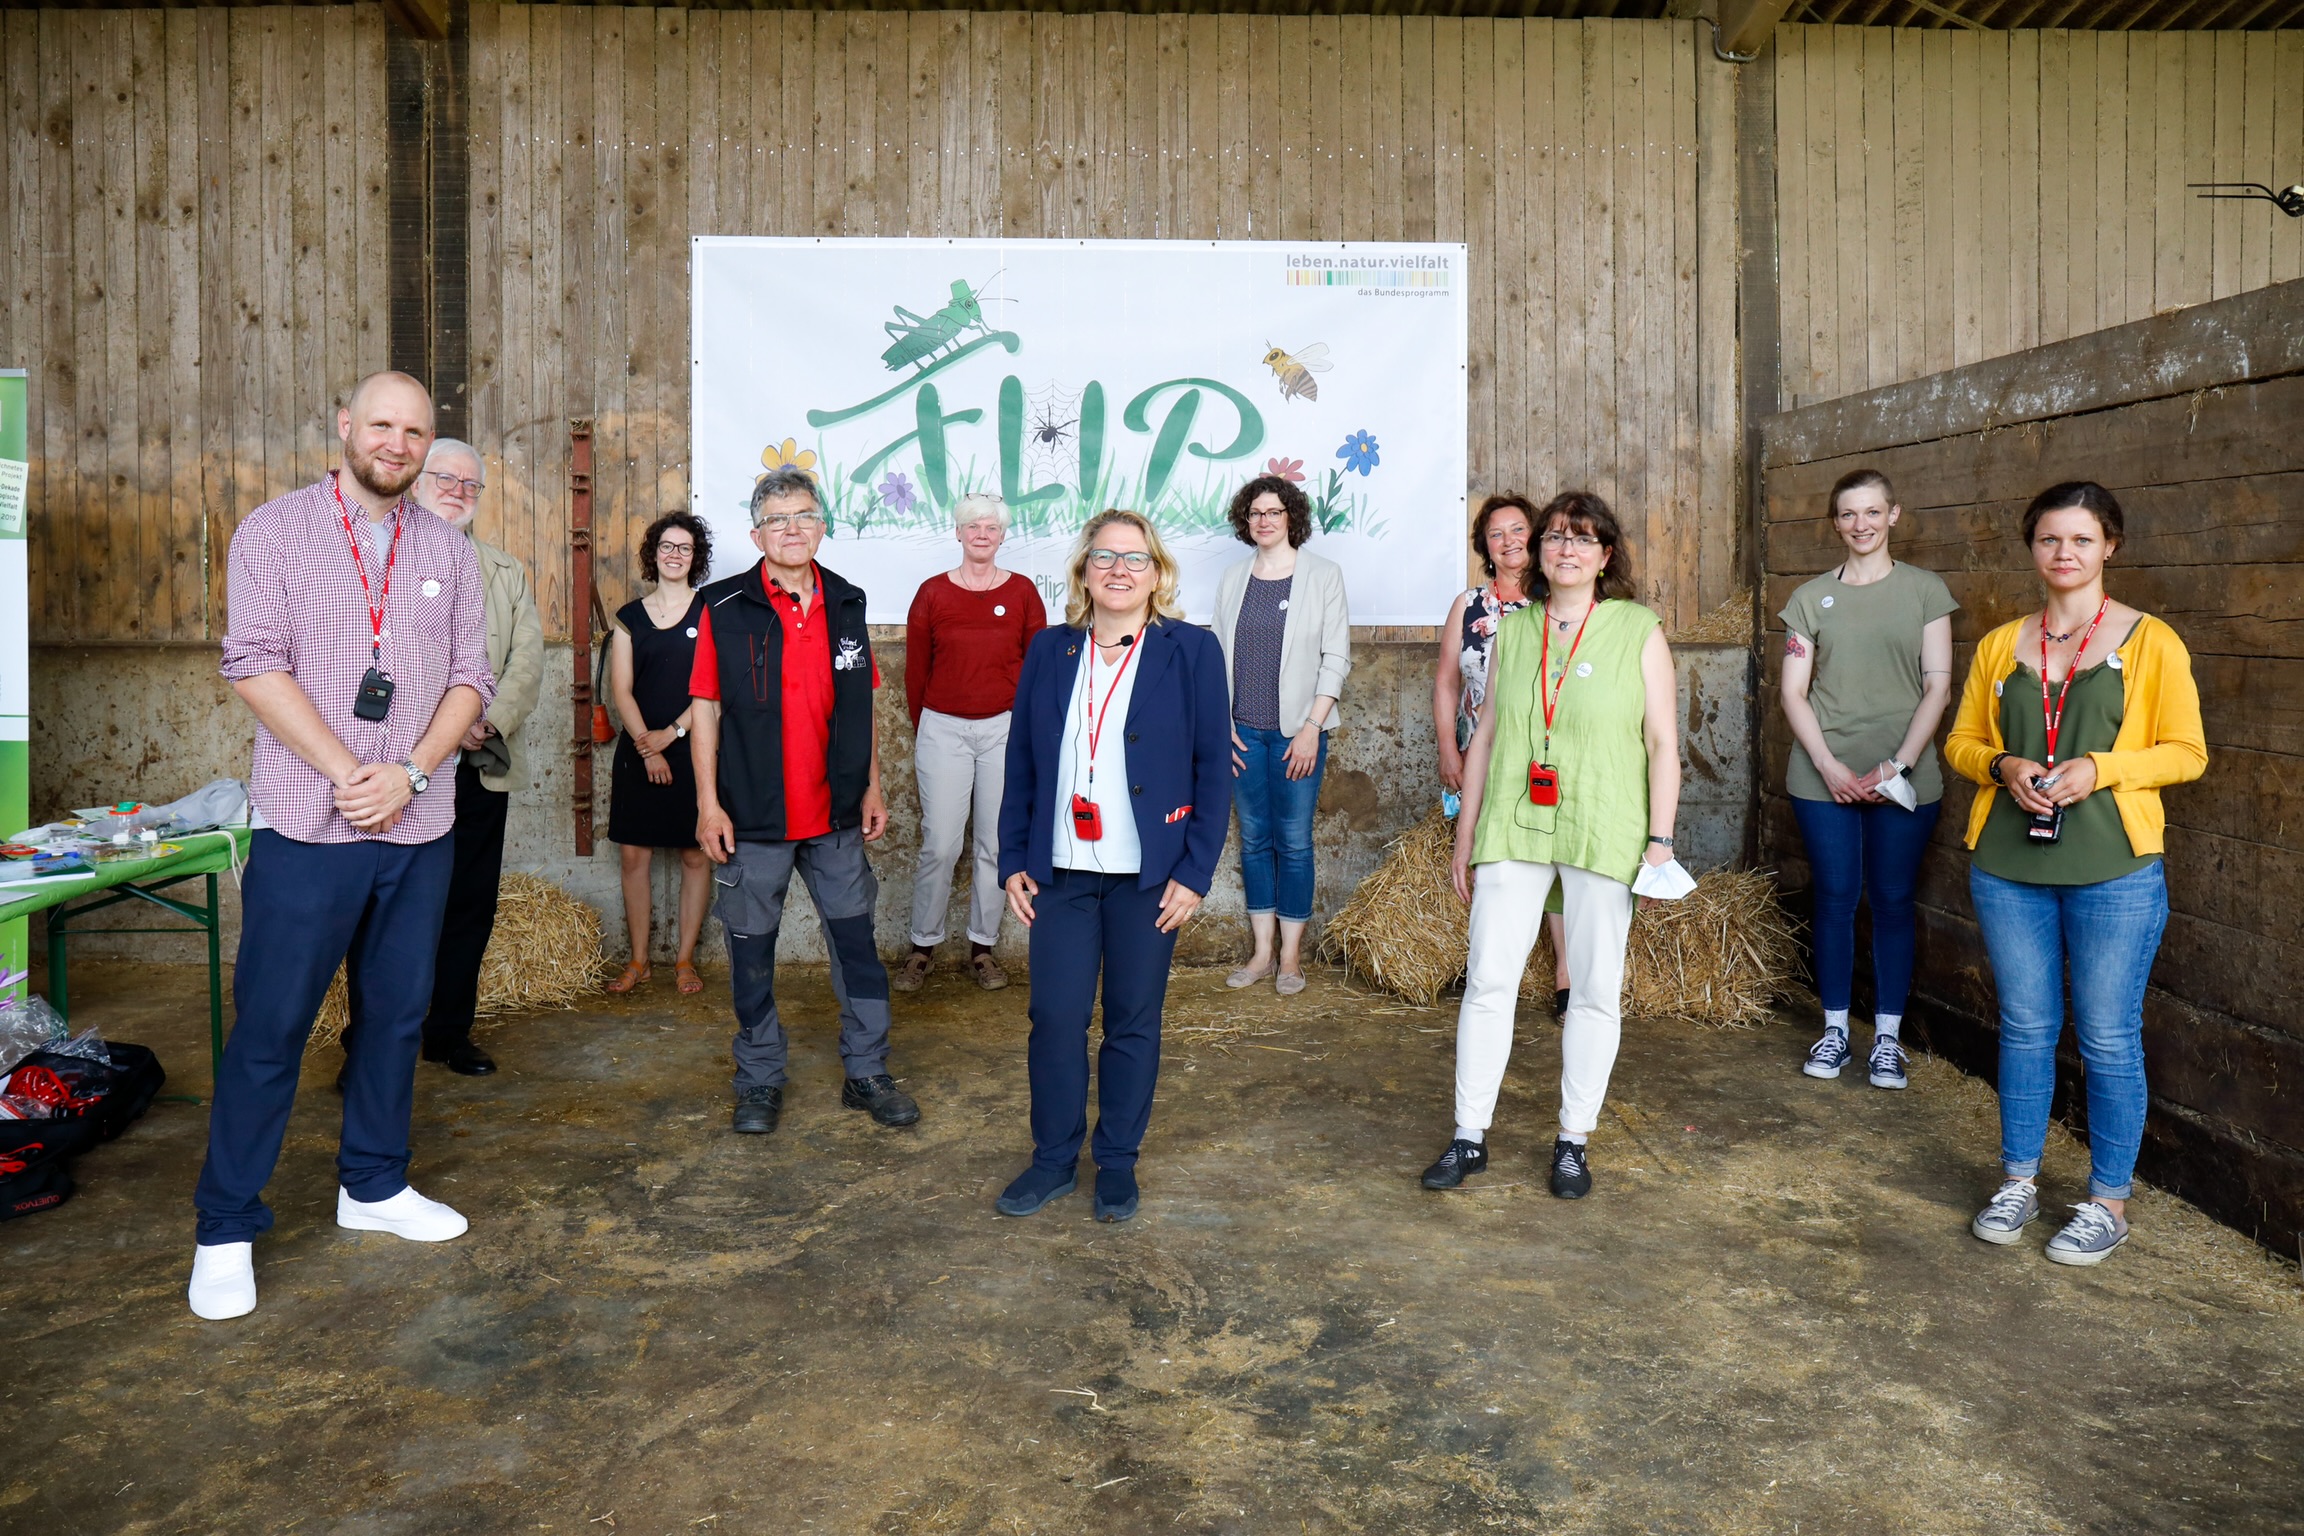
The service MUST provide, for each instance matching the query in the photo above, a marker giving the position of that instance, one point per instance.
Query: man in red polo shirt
(788, 775)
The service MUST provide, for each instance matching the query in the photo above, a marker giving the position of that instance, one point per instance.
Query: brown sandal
(635, 972)
(685, 973)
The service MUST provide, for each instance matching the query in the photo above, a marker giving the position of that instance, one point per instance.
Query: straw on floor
(1720, 956)
(544, 953)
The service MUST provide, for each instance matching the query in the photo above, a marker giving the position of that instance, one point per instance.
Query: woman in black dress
(652, 791)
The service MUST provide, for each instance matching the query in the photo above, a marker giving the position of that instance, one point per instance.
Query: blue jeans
(1864, 850)
(2109, 933)
(1276, 824)
(305, 908)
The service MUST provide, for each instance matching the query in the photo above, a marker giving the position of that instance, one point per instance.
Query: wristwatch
(1661, 842)
(679, 733)
(418, 780)
(1994, 770)
(1899, 765)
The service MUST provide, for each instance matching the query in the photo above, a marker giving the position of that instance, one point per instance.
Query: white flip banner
(1072, 375)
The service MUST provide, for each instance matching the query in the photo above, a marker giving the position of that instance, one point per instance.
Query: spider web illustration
(1051, 409)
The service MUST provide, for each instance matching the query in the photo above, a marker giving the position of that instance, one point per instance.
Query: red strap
(1546, 693)
(376, 604)
(2053, 719)
(1096, 712)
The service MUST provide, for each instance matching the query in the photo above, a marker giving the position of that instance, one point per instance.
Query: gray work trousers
(750, 901)
(960, 766)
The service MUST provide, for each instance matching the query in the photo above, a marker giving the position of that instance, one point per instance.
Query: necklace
(1564, 623)
(2051, 634)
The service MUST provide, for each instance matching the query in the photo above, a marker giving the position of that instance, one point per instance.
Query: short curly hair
(1503, 501)
(1293, 501)
(699, 568)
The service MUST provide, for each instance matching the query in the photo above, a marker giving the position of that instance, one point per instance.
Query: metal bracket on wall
(2289, 200)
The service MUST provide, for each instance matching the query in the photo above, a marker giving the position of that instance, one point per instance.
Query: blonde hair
(1166, 602)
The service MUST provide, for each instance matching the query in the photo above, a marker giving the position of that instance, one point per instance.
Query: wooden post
(580, 591)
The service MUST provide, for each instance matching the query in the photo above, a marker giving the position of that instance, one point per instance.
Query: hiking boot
(1571, 1173)
(2092, 1233)
(1462, 1158)
(888, 1104)
(1828, 1055)
(2008, 1213)
(757, 1110)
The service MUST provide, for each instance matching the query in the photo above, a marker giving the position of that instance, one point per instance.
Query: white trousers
(960, 766)
(1507, 917)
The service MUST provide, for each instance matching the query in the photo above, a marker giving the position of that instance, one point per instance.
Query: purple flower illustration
(896, 492)
(1359, 453)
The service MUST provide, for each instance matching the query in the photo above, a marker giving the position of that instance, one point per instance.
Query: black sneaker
(1461, 1159)
(1115, 1194)
(1886, 1066)
(758, 1110)
(889, 1104)
(1571, 1174)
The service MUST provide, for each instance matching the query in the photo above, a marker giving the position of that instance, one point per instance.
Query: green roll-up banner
(15, 642)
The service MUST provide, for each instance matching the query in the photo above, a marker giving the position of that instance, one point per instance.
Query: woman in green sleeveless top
(1574, 775)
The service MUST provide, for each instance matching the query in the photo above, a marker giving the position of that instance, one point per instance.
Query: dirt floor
(1768, 1317)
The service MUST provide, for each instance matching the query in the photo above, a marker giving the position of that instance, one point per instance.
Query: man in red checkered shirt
(357, 635)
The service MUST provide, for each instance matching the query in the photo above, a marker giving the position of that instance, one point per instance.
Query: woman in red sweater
(964, 645)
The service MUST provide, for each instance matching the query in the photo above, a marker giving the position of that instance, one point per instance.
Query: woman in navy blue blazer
(1119, 791)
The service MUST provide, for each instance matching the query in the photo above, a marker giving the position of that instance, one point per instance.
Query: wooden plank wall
(195, 243)
(1951, 196)
(2196, 421)
(1568, 154)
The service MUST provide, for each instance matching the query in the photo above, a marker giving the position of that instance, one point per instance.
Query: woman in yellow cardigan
(2073, 719)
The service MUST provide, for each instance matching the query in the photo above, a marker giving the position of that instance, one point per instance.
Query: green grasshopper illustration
(920, 339)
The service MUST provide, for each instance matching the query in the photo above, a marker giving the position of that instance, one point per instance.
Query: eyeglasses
(1257, 512)
(789, 522)
(1104, 559)
(667, 547)
(449, 483)
(1575, 541)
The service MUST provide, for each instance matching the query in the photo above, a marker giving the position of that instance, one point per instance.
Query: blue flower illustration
(1359, 453)
(896, 491)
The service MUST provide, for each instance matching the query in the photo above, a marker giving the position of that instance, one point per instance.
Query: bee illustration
(1051, 433)
(1295, 371)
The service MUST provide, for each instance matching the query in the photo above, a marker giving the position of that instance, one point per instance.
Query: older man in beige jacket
(490, 765)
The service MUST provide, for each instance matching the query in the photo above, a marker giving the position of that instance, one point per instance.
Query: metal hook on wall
(2289, 200)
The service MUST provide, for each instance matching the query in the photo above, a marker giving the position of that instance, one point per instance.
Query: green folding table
(68, 898)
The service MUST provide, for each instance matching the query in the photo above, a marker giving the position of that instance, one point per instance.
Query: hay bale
(1728, 624)
(543, 953)
(1404, 930)
(1721, 956)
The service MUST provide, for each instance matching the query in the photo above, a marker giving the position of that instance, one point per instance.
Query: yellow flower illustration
(789, 452)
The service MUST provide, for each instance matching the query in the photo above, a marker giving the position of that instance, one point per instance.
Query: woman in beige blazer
(1287, 634)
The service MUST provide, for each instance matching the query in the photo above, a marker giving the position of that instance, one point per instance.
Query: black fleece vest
(749, 637)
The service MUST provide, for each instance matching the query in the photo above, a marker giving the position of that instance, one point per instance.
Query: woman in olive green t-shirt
(1573, 774)
(1867, 673)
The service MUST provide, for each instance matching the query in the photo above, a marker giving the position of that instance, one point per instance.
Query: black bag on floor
(36, 1163)
(98, 1102)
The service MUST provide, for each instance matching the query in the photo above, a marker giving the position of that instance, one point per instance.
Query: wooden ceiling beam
(1745, 24)
(427, 19)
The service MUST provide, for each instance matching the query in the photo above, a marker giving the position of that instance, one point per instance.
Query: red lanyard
(376, 604)
(2053, 719)
(1096, 712)
(1546, 692)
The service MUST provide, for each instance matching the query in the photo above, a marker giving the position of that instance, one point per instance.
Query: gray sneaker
(2092, 1233)
(2010, 1211)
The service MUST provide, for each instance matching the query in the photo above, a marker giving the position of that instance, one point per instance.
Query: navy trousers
(304, 909)
(1082, 923)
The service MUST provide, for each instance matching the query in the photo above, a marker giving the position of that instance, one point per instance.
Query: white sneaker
(223, 1281)
(406, 1214)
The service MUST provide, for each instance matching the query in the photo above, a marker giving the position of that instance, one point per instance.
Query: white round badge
(1283, 605)
(999, 610)
(1583, 669)
(1826, 603)
(691, 631)
(2113, 661)
(431, 587)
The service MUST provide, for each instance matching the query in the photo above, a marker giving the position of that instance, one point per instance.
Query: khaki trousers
(960, 767)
